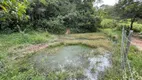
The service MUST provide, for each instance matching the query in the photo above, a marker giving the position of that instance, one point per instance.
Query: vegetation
(134, 57)
(118, 24)
(19, 68)
(29, 26)
(53, 16)
(130, 9)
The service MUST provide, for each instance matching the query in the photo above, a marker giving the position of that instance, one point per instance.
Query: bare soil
(137, 42)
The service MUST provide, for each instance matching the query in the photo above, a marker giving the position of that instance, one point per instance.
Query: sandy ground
(137, 42)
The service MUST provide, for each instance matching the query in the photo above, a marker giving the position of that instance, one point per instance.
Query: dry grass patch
(91, 43)
(94, 40)
(91, 36)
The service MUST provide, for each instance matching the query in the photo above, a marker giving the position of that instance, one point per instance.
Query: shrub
(109, 23)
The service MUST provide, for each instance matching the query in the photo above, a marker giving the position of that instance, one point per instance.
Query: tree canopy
(129, 9)
(51, 15)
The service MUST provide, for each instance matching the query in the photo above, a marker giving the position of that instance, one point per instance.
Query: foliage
(54, 16)
(135, 58)
(109, 23)
(116, 72)
(107, 11)
(123, 10)
(18, 38)
(119, 24)
(14, 15)
(129, 9)
(136, 26)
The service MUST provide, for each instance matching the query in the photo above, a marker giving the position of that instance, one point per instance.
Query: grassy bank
(19, 69)
(116, 72)
(12, 40)
(19, 39)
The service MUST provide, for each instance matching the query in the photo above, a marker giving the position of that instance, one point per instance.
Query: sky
(107, 2)
(110, 2)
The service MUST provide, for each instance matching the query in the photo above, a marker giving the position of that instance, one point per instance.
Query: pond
(79, 62)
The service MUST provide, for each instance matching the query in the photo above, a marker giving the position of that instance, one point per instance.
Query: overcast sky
(110, 2)
(107, 2)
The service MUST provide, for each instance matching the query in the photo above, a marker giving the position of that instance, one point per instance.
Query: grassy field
(18, 39)
(109, 23)
(8, 70)
(20, 70)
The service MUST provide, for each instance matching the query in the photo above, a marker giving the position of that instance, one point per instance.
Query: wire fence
(125, 46)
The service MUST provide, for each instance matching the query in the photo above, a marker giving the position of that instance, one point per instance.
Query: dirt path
(137, 42)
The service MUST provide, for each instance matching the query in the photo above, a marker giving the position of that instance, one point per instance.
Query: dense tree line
(56, 16)
(52, 15)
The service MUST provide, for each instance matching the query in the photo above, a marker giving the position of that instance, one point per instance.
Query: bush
(109, 23)
(53, 16)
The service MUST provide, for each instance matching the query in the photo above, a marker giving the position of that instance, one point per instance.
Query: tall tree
(129, 9)
(107, 11)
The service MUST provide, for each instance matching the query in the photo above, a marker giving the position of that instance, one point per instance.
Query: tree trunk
(131, 26)
(132, 21)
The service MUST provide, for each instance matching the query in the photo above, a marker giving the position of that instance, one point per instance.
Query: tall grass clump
(19, 38)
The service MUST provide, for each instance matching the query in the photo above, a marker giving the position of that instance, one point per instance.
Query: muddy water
(70, 59)
(99, 63)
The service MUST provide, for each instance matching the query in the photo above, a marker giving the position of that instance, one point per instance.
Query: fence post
(125, 50)
(128, 46)
(122, 49)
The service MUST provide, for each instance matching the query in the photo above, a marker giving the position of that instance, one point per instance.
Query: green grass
(19, 38)
(136, 26)
(116, 72)
(9, 69)
(135, 57)
(110, 23)
(16, 39)
(113, 34)
(19, 69)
